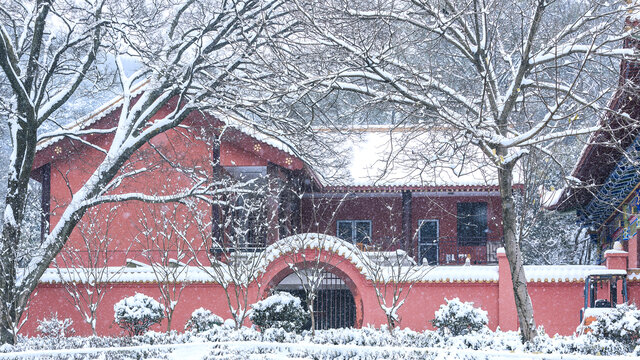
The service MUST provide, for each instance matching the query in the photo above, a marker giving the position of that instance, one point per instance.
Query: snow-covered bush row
(54, 327)
(202, 319)
(481, 340)
(458, 318)
(280, 310)
(135, 314)
(349, 341)
(621, 324)
(80, 342)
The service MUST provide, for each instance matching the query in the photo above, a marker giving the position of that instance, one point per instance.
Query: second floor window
(355, 231)
(472, 223)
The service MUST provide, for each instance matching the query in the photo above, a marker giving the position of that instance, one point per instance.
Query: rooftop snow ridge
(93, 117)
(376, 155)
(560, 273)
(430, 274)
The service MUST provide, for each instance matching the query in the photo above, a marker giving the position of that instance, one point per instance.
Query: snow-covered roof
(560, 273)
(437, 274)
(461, 273)
(90, 119)
(608, 272)
(252, 131)
(549, 199)
(361, 260)
(387, 155)
(120, 274)
(383, 155)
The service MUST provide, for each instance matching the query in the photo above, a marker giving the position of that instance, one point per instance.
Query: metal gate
(334, 306)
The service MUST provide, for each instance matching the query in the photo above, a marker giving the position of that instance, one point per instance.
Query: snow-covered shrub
(280, 310)
(620, 324)
(54, 327)
(155, 338)
(458, 318)
(280, 335)
(135, 314)
(202, 320)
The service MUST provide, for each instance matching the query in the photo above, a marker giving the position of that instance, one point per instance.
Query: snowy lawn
(222, 342)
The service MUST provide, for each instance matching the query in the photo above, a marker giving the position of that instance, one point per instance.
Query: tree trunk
(524, 306)
(313, 318)
(391, 323)
(17, 186)
(6, 324)
(93, 325)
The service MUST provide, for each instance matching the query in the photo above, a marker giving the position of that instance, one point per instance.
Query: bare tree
(547, 237)
(189, 52)
(233, 243)
(85, 270)
(309, 256)
(166, 253)
(392, 273)
(504, 77)
(312, 255)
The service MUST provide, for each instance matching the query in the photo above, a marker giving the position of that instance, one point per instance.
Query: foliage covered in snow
(54, 327)
(280, 310)
(202, 320)
(621, 324)
(226, 342)
(459, 318)
(135, 314)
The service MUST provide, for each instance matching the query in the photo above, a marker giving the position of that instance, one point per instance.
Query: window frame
(476, 240)
(435, 243)
(354, 230)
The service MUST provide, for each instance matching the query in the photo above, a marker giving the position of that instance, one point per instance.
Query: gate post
(507, 315)
(616, 258)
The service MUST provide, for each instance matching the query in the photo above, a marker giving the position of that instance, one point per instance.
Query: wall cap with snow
(404, 271)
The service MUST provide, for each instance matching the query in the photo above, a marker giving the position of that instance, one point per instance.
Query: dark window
(472, 223)
(354, 231)
(250, 225)
(345, 230)
(428, 242)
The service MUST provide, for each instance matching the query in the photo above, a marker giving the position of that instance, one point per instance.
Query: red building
(607, 197)
(378, 199)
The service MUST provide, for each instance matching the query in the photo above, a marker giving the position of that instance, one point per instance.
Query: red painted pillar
(633, 252)
(507, 315)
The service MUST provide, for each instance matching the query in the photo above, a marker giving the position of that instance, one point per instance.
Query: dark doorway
(334, 306)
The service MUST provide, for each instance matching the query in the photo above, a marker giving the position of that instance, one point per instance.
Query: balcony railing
(479, 251)
(449, 251)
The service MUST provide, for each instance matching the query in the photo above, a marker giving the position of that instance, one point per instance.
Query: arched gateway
(334, 305)
(326, 264)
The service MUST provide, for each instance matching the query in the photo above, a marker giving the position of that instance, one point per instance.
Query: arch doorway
(334, 306)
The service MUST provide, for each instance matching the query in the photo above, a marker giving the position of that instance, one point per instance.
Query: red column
(633, 252)
(507, 315)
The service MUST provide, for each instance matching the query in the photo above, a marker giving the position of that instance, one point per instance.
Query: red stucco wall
(123, 221)
(556, 304)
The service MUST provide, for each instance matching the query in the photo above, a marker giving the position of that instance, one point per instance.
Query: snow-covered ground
(302, 350)
(222, 342)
